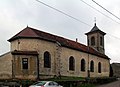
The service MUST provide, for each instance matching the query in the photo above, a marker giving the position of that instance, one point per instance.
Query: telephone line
(99, 11)
(62, 12)
(106, 10)
(104, 15)
(71, 16)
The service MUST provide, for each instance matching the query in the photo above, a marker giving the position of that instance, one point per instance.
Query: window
(47, 60)
(71, 63)
(25, 63)
(101, 41)
(82, 65)
(92, 41)
(40, 83)
(99, 67)
(92, 66)
(53, 84)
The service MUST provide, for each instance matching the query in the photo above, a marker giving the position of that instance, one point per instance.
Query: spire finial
(95, 20)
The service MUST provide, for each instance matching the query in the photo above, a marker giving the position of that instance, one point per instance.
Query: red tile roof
(37, 34)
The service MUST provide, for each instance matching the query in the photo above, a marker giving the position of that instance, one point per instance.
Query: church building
(37, 54)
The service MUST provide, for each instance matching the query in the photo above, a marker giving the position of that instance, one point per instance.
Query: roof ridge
(56, 36)
(32, 30)
(20, 34)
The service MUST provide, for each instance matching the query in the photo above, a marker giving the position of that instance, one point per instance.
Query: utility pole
(88, 71)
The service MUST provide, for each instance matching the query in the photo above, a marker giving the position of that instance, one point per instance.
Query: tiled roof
(37, 34)
(16, 52)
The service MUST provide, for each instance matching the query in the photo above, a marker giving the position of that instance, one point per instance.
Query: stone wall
(66, 53)
(19, 72)
(6, 66)
(63, 63)
(116, 69)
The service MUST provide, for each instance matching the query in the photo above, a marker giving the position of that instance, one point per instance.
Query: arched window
(101, 41)
(92, 41)
(82, 65)
(99, 67)
(47, 60)
(92, 66)
(71, 63)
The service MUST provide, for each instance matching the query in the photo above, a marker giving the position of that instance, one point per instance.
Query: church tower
(95, 39)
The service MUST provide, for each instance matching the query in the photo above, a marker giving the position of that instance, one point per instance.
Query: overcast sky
(15, 15)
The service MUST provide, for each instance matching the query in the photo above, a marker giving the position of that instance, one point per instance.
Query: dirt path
(113, 84)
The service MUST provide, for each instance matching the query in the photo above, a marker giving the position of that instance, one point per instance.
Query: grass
(87, 85)
(65, 78)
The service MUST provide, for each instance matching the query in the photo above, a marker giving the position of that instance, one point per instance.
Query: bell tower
(95, 39)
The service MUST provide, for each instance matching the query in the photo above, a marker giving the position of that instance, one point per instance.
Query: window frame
(99, 67)
(24, 63)
(71, 63)
(92, 41)
(47, 59)
(83, 65)
(101, 41)
(91, 66)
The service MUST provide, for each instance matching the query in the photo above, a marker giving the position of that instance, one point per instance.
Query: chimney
(76, 39)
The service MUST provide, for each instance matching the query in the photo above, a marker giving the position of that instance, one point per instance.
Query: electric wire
(76, 18)
(106, 10)
(104, 15)
(62, 12)
(118, 38)
(99, 11)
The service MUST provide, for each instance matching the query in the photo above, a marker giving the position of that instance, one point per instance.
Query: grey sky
(15, 15)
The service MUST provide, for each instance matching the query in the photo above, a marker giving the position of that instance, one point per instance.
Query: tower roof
(27, 32)
(95, 29)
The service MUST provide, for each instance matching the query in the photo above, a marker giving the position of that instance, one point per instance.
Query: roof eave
(17, 52)
(103, 56)
(103, 33)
